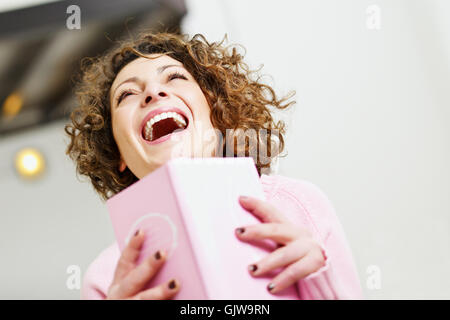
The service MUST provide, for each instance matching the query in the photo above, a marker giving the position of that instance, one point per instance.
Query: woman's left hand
(297, 250)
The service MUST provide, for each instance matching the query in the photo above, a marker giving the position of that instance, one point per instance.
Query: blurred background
(370, 127)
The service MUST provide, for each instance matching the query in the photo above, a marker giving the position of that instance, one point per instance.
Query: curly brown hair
(237, 102)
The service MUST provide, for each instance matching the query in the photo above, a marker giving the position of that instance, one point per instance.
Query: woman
(195, 87)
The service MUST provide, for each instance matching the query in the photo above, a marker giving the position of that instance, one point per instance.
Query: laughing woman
(198, 86)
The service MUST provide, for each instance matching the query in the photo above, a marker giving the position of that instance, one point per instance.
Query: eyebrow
(138, 80)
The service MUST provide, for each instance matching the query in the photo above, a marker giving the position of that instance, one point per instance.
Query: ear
(122, 165)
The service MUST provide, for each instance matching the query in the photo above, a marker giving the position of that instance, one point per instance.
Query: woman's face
(159, 112)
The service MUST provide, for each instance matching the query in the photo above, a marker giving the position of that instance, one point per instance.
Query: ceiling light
(29, 163)
(12, 105)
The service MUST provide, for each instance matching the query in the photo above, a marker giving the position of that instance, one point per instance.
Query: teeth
(148, 133)
(149, 125)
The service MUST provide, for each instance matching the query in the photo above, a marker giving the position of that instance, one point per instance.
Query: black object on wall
(40, 56)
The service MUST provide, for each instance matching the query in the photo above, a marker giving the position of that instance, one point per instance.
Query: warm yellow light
(12, 105)
(29, 163)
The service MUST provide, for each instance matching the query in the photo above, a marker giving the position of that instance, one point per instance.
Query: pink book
(190, 208)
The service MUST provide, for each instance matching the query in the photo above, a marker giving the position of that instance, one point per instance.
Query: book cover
(189, 207)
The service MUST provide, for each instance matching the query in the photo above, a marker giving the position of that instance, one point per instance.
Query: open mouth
(164, 124)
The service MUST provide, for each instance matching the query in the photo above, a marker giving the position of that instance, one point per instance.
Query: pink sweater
(304, 204)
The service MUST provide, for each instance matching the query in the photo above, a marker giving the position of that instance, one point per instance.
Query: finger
(279, 232)
(262, 209)
(279, 258)
(139, 276)
(129, 256)
(296, 271)
(163, 291)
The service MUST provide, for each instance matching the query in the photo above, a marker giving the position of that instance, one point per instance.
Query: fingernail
(172, 284)
(252, 268)
(137, 232)
(270, 286)
(244, 198)
(158, 255)
(240, 230)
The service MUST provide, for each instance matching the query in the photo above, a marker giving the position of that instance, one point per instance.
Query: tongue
(164, 127)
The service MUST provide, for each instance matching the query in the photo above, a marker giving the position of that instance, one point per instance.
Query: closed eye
(123, 95)
(176, 75)
(126, 93)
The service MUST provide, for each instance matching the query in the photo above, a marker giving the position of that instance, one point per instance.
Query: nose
(154, 95)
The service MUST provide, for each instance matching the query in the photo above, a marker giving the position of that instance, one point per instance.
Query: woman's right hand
(129, 279)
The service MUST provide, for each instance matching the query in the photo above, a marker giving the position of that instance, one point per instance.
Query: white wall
(371, 126)
(46, 225)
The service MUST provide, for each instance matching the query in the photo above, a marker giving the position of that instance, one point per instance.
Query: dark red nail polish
(240, 230)
(172, 284)
(252, 268)
(157, 255)
(270, 286)
(136, 233)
